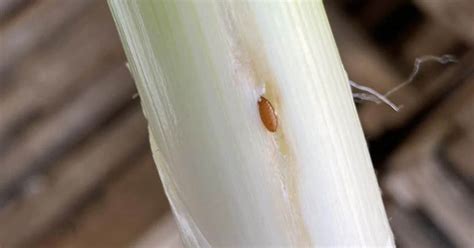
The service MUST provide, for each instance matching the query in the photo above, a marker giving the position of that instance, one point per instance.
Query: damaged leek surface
(200, 68)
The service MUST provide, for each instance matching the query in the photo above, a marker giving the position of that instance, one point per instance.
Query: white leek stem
(200, 68)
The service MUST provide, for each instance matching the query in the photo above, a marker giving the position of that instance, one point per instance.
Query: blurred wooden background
(75, 166)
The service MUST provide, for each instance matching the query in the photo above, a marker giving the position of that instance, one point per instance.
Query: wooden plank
(452, 113)
(417, 179)
(456, 15)
(460, 154)
(9, 8)
(54, 134)
(409, 231)
(57, 72)
(130, 204)
(421, 42)
(446, 201)
(71, 180)
(35, 26)
(376, 11)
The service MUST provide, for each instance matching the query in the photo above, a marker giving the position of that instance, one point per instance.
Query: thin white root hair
(372, 95)
(444, 59)
(360, 97)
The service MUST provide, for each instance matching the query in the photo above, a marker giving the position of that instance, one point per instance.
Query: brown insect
(267, 114)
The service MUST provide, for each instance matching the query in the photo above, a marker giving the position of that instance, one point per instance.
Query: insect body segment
(267, 114)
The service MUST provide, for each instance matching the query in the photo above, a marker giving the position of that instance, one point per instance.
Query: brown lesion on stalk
(250, 54)
(288, 171)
